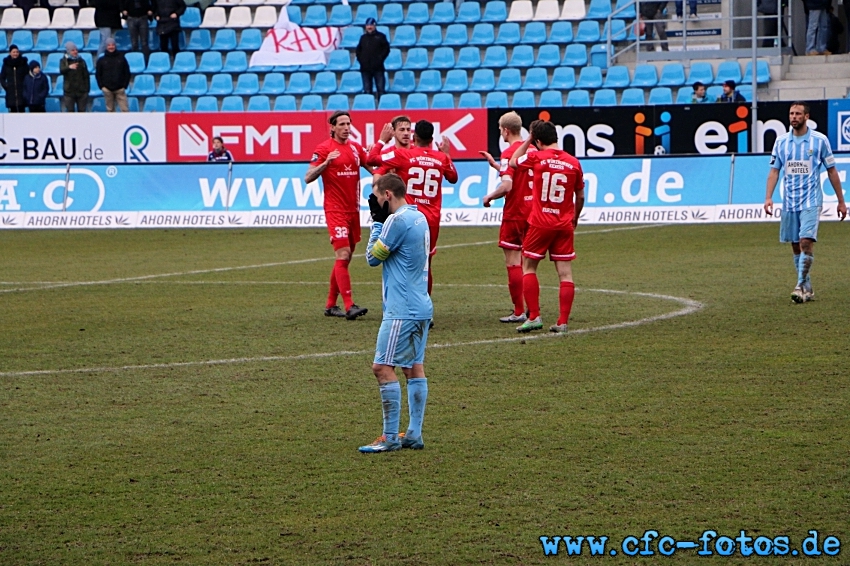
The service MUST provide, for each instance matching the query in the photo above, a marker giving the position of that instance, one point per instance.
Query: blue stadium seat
(196, 85)
(508, 34)
(430, 81)
(392, 62)
(598, 57)
(468, 58)
(456, 35)
(444, 13)
(430, 36)
(701, 72)
(392, 14)
(747, 92)
(250, 40)
(390, 101)
(590, 78)
(509, 80)
(73, 35)
(534, 33)
(578, 98)
(672, 74)
(339, 60)
(52, 66)
(483, 80)
(762, 71)
(248, 84)
(48, 41)
(523, 99)
(417, 14)
(199, 40)
(628, 13)
(551, 98)
(561, 33)
(416, 101)
(259, 103)
(294, 14)
(232, 104)
(59, 88)
(443, 101)
(337, 102)
(548, 56)
(605, 97)
(633, 97)
(575, 55)
(405, 36)
(170, 85)
(312, 103)
(587, 32)
(495, 57)
(273, 84)
(154, 104)
(235, 62)
(618, 31)
(563, 78)
(456, 81)
(444, 58)
(143, 85)
(206, 104)
(684, 95)
(364, 12)
(350, 37)
(92, 43)
(661, 95)
(496, 100)
(211, 62)
(495, 11)
(522, 56)
(469, 100)
(468, 13)
(536, 78)
(599, 10)
(299, 83)
(23, 39)
(403, 81)
(284, 103)
(483, 34)
(184, 62)
(315, 17)
(417, 59)
(221, 85)
(363, 102)
(225, 40)
(617, 77)
(728, 71)
(180, 104)
(645, 76)
(340, 16)
(325, 83)
(98, 105)
(122, 40)
(5, 47)
(351, 82)
(191, 18)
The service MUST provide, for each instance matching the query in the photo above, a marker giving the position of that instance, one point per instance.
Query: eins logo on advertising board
(710, 136)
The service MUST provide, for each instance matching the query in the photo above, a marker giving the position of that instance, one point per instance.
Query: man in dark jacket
(73, 68)
(371, 52)
(137, 12)
(107, 17)
(12, 76)
(730, 93)
(654, 16)
(167, 14)
(113, 77)
(36, 88)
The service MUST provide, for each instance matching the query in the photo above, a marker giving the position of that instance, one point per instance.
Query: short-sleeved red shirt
(557, 176)
(518, 201)
(341, 178)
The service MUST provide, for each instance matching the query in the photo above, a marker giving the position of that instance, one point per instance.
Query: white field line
(690, 307)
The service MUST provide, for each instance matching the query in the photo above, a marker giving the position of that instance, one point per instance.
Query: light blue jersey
(801, 159)
(402, 243)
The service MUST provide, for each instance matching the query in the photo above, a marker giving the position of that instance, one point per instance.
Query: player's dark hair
(400, 120)
(544, 132)
(424, 131)
(219, 139)
(805, 105)
(335, 116)
(393, 183)
(698, 85)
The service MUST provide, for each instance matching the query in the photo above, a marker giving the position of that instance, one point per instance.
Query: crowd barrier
(671, 189)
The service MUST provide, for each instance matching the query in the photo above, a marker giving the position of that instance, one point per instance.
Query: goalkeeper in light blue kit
(400, 240)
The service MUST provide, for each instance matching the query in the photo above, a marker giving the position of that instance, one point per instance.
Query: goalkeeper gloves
(379, 213)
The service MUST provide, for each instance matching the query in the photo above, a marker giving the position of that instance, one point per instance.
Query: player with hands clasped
(400, 240)
(800, 154)
(338, 161)
(557, 200)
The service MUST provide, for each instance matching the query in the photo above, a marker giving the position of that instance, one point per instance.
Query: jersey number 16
(553, 189)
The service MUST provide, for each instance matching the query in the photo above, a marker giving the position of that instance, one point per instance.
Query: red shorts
(512, 233)
(435, 233)
(559, 244)
(344, 229)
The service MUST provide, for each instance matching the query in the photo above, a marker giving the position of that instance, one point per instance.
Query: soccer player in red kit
(338, 161)
(422, 169)
(401, 135)
(557, 200)
(515, 186)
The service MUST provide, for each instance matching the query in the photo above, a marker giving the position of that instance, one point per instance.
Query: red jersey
(422, 169)
(518, 201)
(557, 176)
(384, 169)
(341, 178)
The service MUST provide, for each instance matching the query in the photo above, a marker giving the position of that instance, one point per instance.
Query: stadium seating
(390, 101)
(337, 102)
(633, 97)
(521, 11)
(551, 98)
(590, 78)
(154, 104)
(509, 80)
(232, 104)
(660, 95)
(578, 98)
(416, 101)
(523, 99)
(483, 80)
(563, 78)
(645, 76)
(617, 77)
(535, 79)
(605, 97)
(443, 100)
(762, 72)
(495, 57)
(180, 104)
(496, 100)
(285, 103)
(726, 71)
(672, 74)
(469, 100)
(259, 103)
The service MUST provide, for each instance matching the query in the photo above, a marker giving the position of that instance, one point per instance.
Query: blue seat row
(418, 13)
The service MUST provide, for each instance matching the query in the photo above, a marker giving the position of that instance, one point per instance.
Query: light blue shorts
(401, 342)
(795, 226)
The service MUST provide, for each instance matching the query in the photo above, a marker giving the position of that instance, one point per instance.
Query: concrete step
(811, 93)
(809, 72)
(820, 59)
(822, 83)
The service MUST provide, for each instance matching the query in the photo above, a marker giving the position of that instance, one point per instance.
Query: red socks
(342, 280)
(515, 288)
(531, 292)
(566, 295)
(333, 291)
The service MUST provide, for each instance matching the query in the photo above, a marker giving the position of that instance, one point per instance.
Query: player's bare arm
(772, 179)
(579, 205)
(503, 189)
(374, 157)
(835, 180)
(493, 163)
(520, 151)
(316, 171)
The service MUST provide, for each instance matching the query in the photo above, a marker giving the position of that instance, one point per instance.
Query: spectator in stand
(371, 52)
(219, 152)
(654, 15)
(692, 9)
(833, 45)
(138, 14)
(769, 8)
(730, 93)
(817, 32)
(107, 18)
(699, 94)
(167, 14)
(12, 76)
(76, 73)
(25, 5)
(36, 88)
(113, 77)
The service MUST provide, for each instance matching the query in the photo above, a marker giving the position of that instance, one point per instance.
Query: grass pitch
(732, 417)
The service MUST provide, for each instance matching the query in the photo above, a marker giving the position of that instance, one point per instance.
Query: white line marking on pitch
(690, 307)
